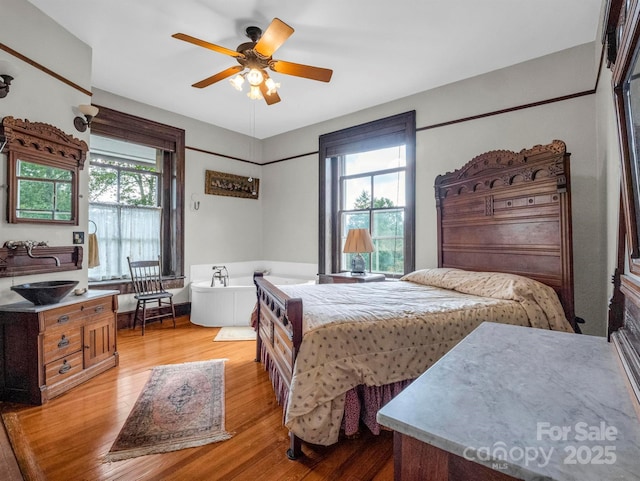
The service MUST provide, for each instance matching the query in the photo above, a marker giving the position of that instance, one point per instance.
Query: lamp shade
(358, 240)
(89, 110)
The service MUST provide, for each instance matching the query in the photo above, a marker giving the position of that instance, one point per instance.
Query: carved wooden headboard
(510, 212)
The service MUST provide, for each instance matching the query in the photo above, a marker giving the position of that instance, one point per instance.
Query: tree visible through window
(379, 176)
(367, 180)
(124, 204)
(137, 190)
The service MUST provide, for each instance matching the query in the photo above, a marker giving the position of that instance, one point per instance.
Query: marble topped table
(27, 306)
(527, 403)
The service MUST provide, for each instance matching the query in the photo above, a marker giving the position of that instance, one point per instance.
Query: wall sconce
(7, 73)
(89, 112)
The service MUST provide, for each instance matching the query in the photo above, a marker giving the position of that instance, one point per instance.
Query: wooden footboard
(279, 328)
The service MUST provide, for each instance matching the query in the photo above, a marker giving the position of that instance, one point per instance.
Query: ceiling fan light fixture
(272, 87)
(237, 82)
(255, 77)
(256, 57)
(254, 93)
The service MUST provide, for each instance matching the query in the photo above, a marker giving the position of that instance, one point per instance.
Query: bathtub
(231, 305)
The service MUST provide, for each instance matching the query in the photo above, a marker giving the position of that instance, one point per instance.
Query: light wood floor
(66, 438)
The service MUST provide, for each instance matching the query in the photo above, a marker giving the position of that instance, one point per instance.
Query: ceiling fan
(256, 57)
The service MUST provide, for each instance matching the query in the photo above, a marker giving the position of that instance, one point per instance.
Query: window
(124, 204)
(136, 169)
(372, 196)
(367, 181)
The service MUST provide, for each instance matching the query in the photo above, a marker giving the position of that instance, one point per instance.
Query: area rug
(181, 406)
(236, 333)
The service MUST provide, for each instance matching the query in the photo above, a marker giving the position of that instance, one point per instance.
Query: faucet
(29, 245)
(220, 273)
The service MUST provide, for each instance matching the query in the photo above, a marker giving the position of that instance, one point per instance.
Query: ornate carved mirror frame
(45, 145)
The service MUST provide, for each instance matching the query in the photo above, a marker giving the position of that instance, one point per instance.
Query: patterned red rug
(181, 406)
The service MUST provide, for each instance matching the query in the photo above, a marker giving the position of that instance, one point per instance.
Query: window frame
(171, 140)
(378, 134)
(370, 211)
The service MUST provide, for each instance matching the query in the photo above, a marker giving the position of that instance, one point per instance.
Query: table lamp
(358, 240)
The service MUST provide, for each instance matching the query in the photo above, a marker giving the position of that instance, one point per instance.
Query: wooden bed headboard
(510, 212)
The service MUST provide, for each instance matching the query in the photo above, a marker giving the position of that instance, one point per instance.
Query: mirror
(631, 102)
(43, 167)
(44, 192)
(621, 34)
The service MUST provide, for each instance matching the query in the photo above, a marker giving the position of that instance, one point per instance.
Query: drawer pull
(65, 367)
(64, 342)
(63, 319)
(99, 309)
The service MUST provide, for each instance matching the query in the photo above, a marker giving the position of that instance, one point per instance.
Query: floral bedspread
(383, 332)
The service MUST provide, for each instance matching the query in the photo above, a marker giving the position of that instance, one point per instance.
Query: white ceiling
(379, 50)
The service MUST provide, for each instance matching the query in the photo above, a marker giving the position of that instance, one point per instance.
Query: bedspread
(384, 332)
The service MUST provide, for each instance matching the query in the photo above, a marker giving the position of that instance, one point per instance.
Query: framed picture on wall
(220, 183)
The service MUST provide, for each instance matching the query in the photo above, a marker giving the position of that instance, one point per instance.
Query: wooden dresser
(518, 403)
(47, 350)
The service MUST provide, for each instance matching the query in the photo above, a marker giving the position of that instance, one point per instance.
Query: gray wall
(282, 225)
(292, 187)
(38, 97)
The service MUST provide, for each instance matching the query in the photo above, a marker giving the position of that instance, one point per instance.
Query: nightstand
(348, 278)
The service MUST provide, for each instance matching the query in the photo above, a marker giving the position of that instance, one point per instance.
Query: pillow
(539, 300)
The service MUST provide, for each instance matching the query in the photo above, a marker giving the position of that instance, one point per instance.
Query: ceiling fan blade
(274, 98)
(299, 70)
(219, 76)
(273, 37)
(210, 46)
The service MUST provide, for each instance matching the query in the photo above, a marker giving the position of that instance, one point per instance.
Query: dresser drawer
(63, 368)
(62, 316)
(62, 341)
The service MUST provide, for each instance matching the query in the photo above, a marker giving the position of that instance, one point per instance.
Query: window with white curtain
(125, 205)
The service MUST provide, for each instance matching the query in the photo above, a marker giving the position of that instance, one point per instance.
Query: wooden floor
(66, 438)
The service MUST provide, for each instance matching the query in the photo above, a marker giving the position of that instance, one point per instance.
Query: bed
(336, 352)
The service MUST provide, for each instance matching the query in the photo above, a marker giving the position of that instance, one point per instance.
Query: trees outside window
(367, 180)
(124, 204)
(379, 207)
(137, 195)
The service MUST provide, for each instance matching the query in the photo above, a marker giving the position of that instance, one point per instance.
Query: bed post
(257, 318)
(295, 447)
(278, 322)
(294, 311)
